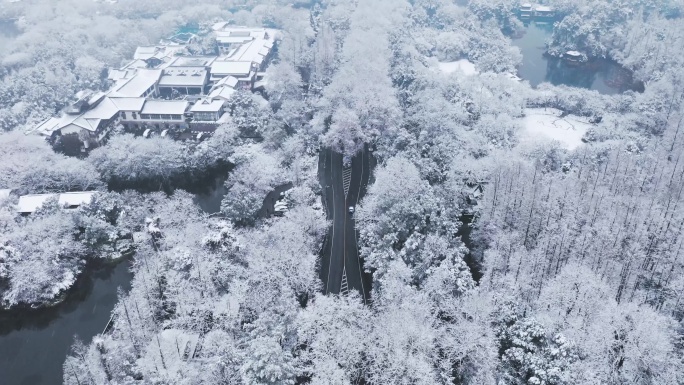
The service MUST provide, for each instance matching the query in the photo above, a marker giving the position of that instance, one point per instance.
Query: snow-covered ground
(170, 349)
(467, 68)
(462, 65)
(546, 124)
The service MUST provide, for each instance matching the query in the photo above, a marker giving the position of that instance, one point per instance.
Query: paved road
(340, 253)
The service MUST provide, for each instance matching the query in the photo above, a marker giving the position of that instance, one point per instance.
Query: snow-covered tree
(30, 166)
(41, 258)
(257, 174)
(127, 158)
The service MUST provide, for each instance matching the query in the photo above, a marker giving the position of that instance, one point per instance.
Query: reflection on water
(604, 76)
(35, 343)
(209, 198)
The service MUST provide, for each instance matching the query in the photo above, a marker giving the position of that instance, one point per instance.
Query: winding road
(341, 267)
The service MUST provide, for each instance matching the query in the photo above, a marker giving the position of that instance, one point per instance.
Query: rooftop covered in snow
(75, 199)
(237, 69)
(30, 203)
(138, 85)
(192, 61)
(90, 120)
(183, 77)
(242, 44)
(223, 93)
(228, 81)
(157, 51)
(165, 107)
(207, 105)
(128, 104)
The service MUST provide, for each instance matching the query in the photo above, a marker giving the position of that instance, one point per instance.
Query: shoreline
(86, 274)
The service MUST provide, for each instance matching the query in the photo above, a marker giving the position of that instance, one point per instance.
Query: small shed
(30, 203)
(72, 200)
(475, 192)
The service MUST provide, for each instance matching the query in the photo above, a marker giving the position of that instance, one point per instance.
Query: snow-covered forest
(514, 234)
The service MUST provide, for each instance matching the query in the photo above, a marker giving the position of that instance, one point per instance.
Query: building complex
(528, 11)
(165, 89)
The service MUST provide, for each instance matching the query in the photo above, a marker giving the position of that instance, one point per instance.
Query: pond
(604, 76)
(8, 28)
(209, 198)
(8, 32)
(35, 343)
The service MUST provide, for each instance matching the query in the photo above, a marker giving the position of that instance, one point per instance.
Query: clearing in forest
(547, 124)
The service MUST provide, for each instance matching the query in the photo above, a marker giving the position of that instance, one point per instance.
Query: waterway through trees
(35, 342)
(602, 75)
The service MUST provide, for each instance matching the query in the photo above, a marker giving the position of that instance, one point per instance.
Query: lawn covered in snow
(462, 65)
(546, 124)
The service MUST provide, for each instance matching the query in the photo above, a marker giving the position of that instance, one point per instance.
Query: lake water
(8, 32)
(34, 344)
(470, 259)
(604, 76)
(8, 28)
(209, 200)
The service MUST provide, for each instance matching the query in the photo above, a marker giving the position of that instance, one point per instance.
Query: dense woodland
(577, 254)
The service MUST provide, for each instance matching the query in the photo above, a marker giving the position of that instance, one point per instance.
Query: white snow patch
(513, 77)
(5, 193)
(546, 124)
(168, 352)
(67, 281)
(463, 65)
(30, 203)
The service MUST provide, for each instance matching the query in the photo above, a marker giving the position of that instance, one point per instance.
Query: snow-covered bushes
(41, 258)
(30, 166)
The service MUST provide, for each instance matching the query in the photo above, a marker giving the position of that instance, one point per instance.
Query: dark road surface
(340, 255)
